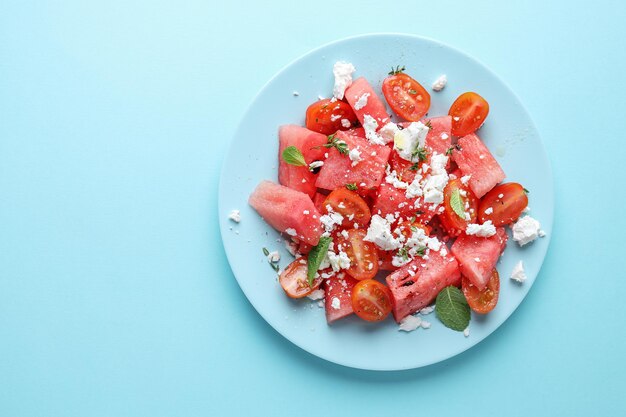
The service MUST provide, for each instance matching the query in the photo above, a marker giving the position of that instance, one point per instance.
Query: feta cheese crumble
(346, 123)
(410, 323)
(370, 125)
(525, 230)
(330, 220)
(434, 185)
(518, 273)
(440, 82)
(273, 257)
(291, 231)
(489, 210)
(338, 261)
(466, 332)
(379, 233)
(316, 295)
(465, 179)
(388, 132)
(235, 216)
(335, 303)
(361, 102)
(355, 156)
(407, 140)
(343, 78)
(486, 229)
(316, 164)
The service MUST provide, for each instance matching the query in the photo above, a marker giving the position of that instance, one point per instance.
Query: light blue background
(115, 295)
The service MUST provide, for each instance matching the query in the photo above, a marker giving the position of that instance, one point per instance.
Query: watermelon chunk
(318, 200)
(284, 209)
(374, 106)
(388, 199)
(338, 171)
(410, 293)
(475, 159)
(439, 138)
(478, 256)
(341, 289)
(311, 145)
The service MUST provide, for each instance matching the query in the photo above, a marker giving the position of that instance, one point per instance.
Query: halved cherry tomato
(294, 280)
(406, 97)
(482, 301)
(325, 116)
(363, 255)
(403, 167)
(371, 300)
(505, 209)
(350, 205)
(468, 112)
(450, 220)
(385, 258)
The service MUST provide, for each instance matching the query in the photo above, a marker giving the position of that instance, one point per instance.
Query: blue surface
(115, 294)
(510, 133)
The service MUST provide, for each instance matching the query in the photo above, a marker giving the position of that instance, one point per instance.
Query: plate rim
(223, 211)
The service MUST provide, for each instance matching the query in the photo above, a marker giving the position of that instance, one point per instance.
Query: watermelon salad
(392, 212)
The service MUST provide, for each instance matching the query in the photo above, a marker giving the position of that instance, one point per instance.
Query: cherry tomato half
(450, 220)
(468, 112)
(294, 280)
(406, 97)
(482, 301)
(350, 205)
(363, 255)
(326, 116)
(506, 209)
(371, 300)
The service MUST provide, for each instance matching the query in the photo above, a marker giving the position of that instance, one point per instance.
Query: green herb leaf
(316, 256)
(340, 145)
(397, 70)
(414, 167)
(526, 191)
(418, 213)
(352, 186)
(428, 125)
(449, 151)
(266, 252)
(275, 267)
(456, 202)
(452, 309)
(420, 153)
(412, 92)
(421, 251)
(403, 253)
(293, 156)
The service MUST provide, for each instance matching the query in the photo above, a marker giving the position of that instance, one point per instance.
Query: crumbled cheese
(481, 156)
(437, 181)
(465, 179)
(346, 123)
(518, 274)
(486, 229)
(444, 136)
(291, 231)
(291, 247)
(489, 210)
(500, 195)
(335, 117)
(379, 232)
(407, 140)
(306, 212)
(525, 230)
(456, 119)
(388, 132)
(440, 82)
(415, 188)
(392, 178)
(361, 102)
(338, 261)
(335, 303)
(330, 220)
(477, 259)
(410, 323)
(370, 125)
(235, 216)
(316, 295)
(425, 324)
(466, 332)
(273, 257)
(345, 234)
(343, 77)
(427, 310)
(355, 156)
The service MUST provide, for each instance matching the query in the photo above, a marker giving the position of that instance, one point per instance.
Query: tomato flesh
(406, 97)
(482, 301)
(468, 112)
(371, 300)
(363, 255)
(350, 205)
(450, 220)
(294, 280)
(504, 204)
(326, 116)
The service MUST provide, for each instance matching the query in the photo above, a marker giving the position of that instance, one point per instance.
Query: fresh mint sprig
(452, 308)
(293, 156)
(316, 256)
(456, 202)
(338, 144)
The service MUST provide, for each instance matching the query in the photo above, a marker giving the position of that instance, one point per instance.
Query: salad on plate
(393, 211)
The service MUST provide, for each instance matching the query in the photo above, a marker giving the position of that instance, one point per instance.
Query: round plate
(509, 133)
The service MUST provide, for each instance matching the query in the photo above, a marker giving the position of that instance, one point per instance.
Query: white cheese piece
(346, 123)
(316, 164)
(466, 332)
(338, 261)
(388, 132)
(465, 179)
(407, 140)
(415, 188)
(273, 257)
(440, 82)
(335, 303)
(379, 233)
(291, 231)
(525, 230)
(410, 323)
(486, 229)
(437, 181)
(489, 210)
(355, 156)
(316, 295)
(427, 310)
(370, 125)
(392, 178)
(335, 117)
(361, 102)
(343, 78)
(518, 274)
(235, 216)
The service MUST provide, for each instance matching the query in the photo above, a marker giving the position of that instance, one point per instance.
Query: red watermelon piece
(284, 208)
(478, 256)
(475, 159)
(385, 258)
(311, 145)
(341, 289)
(338, 171)
(374, 107)
(318, 200)
(439, 138)
(357, 131)
(388, 199)
(410, 293)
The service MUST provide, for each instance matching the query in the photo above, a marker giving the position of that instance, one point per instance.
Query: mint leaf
(316, 256)
(352, 186)
(293, 156)
(456, 202)
(452, 309)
